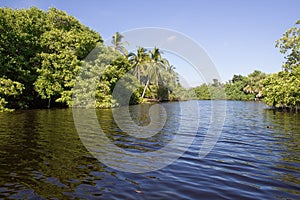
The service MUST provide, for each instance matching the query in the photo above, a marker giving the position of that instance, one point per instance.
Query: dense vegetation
(42, 53)
(245, 88)
(280, 90)
(39, 55)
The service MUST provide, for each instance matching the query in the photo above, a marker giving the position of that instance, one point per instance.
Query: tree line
(279, 90)
(242, 88)
(282, 89)
(42, 53)
(39, 56)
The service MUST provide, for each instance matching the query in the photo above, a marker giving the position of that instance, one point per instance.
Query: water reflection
(42, 155)
(257, 157)
(286, 133)
(127, 149)
(140, 116)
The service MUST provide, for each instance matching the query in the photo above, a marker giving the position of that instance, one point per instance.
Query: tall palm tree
(118, 45)
(169, 80)
(170, 76)
(139, 61)
(156, 65)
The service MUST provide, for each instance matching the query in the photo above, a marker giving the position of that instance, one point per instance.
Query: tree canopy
(42, 52)
(279, 90)
(245, 88)
(282, 89)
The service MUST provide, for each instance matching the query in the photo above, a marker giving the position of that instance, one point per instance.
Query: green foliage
(202, 92)
(19, 44)
(235, 91)
(289, 45)
(156, 75)
(139, 61)
(88, 84)
(100, 73)
(65, 44)
(214, 91)
(254, 83)
(42, 51)
(118, 45)
(8, 89)
(244, 88)
(283, 89)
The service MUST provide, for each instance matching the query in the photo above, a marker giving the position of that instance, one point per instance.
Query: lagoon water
(256, 157)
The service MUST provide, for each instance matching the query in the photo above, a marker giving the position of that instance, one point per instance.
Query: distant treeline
(244, 88)
(279, 90)
(42, 53)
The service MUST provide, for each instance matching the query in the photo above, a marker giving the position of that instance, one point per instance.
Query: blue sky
(238, 35)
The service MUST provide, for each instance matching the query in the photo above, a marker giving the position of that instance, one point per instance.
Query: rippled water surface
(256, 157)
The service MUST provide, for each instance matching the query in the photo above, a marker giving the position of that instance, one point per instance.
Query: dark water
(256, 157)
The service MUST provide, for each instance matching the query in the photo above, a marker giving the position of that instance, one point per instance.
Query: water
(257, 157)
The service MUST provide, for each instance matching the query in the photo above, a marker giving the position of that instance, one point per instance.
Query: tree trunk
(145, 88)
(139, 75)
(49, 103)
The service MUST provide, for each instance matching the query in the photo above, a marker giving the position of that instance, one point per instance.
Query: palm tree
(118, 45)
(169, 80)
(254, 82)
(170, 75)
(156, 64)
(139, 61)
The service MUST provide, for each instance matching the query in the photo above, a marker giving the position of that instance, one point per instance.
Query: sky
(238, 35)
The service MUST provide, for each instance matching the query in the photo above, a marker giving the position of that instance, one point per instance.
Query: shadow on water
(287, 139)
(140, 116)
(42, 156)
